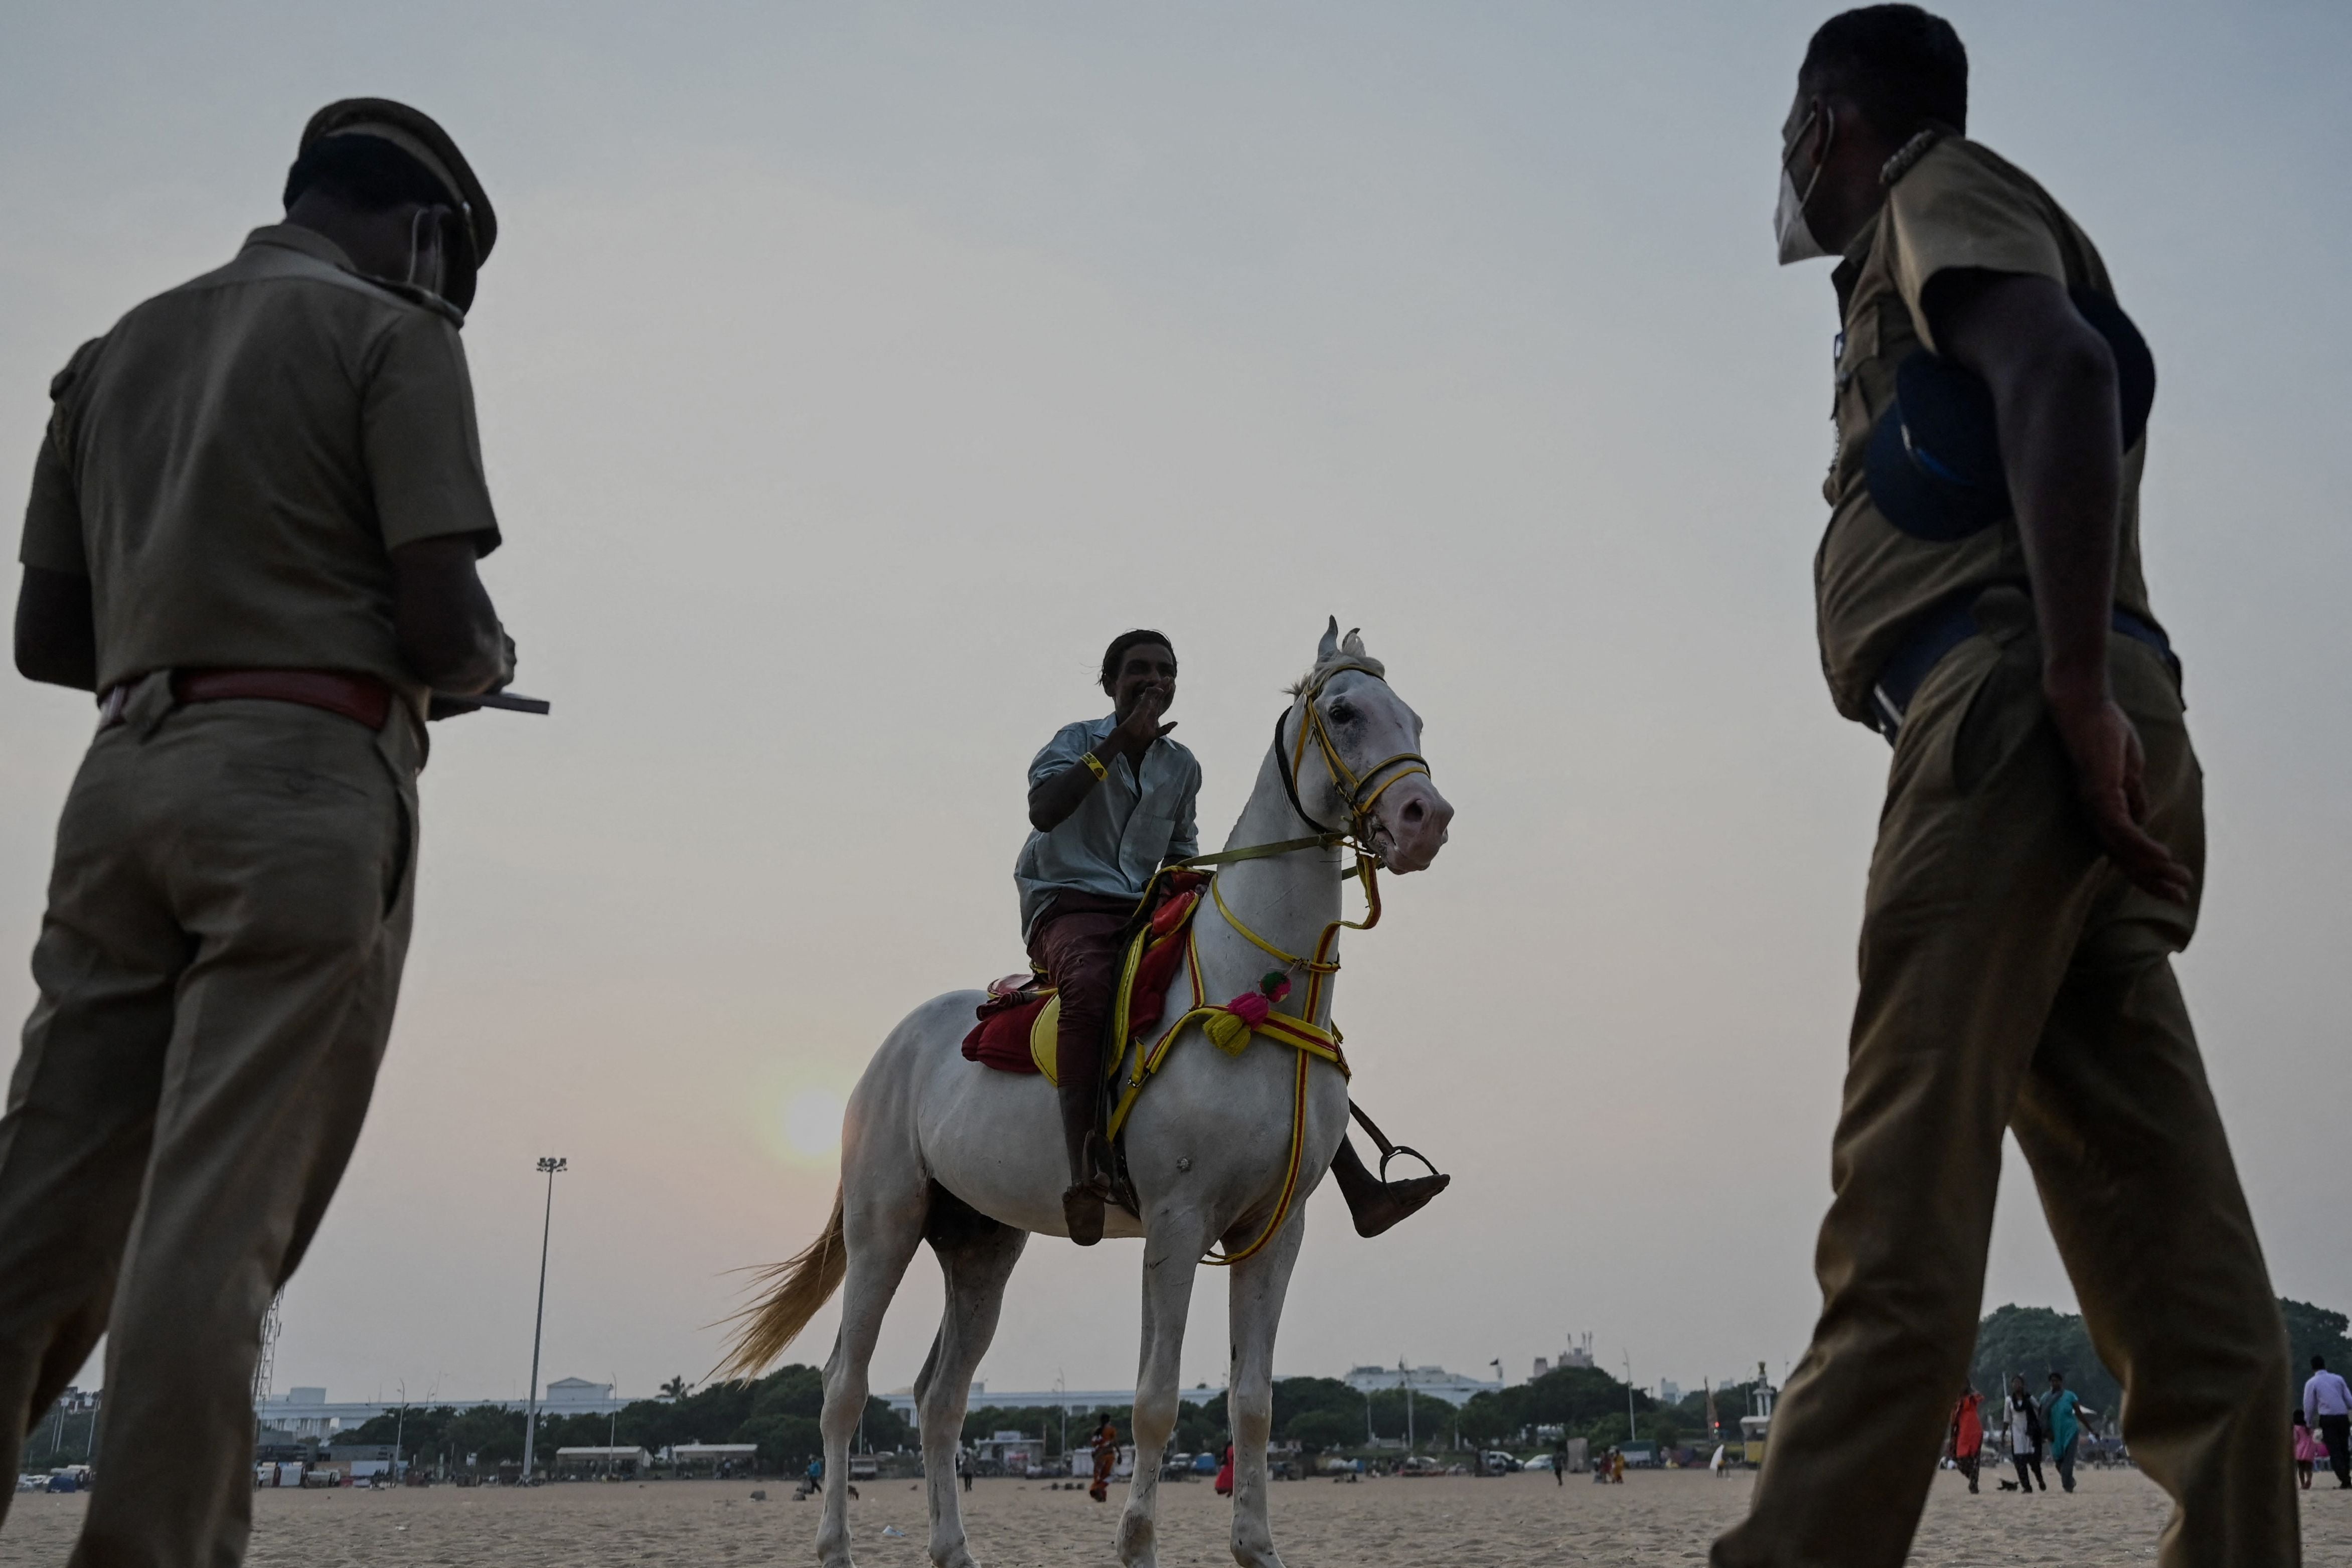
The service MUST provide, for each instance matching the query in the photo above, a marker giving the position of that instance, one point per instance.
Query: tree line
(779, 1411)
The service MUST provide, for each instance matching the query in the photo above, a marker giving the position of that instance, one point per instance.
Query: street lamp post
(550, 1165)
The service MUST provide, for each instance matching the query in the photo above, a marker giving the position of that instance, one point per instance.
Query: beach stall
(629, 1461)
(1014, 1454)
(713, 1458)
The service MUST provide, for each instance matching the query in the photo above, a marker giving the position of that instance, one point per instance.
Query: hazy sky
(849, 376)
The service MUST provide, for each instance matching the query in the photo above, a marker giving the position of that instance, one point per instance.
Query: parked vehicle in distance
(1420, 1465)
(1540, 1462)
(1497, 1463)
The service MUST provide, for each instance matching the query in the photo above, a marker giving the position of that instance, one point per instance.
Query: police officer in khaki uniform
(1981, 605)
(252, 530)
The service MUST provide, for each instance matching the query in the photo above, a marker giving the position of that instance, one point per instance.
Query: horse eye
(1342, 714)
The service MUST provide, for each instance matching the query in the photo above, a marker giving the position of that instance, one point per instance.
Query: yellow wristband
(1093, 765)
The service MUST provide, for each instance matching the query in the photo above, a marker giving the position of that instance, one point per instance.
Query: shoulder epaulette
(1909, 155)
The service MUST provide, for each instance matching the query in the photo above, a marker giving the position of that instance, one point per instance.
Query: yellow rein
(1301, 1033)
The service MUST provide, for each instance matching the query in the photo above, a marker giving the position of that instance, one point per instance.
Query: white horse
(939, 1149)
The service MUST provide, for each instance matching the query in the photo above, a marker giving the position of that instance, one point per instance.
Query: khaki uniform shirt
(233, 463)
(1957, 206)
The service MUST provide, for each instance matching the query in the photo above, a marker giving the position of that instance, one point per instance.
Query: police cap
(420, 136)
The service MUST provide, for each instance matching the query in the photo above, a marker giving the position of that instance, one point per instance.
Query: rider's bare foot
(1082, 1210)
(1384, 1206)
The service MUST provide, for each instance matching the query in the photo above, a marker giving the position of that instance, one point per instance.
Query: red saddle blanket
(1000, 1039)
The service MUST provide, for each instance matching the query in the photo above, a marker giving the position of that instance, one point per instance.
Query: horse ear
(1330, 646)
(1353, 645)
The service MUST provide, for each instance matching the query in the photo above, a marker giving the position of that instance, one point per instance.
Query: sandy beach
(1653, 1518)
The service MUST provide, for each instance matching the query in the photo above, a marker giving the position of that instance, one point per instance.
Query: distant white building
(1574, 1355)
(569, 1393)
(1669, 1391)
(1077, 1401)
(307, 1412)
(1426, 1382)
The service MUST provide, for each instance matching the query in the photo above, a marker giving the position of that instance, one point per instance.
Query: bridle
(1351, 785)
(1361, 792)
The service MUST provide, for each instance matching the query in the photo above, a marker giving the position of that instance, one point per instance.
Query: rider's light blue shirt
(1124, 830)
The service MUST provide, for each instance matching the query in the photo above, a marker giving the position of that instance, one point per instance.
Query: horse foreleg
(1259, 1284)
(1171, 1251)
(880, 1237)
(975, 1268)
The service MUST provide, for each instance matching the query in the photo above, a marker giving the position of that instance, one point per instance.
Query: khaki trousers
(228, 917)
(2012, 980)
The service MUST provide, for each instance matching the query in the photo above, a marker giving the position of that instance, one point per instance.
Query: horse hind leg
(879, 1234)
(976, 1256)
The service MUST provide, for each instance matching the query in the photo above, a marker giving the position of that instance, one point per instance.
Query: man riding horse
(1111, 800)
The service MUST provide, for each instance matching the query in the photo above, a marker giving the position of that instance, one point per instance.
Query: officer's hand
(2110, 776)
(443, 707)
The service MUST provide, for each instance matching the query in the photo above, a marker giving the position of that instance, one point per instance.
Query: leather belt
(1941, 630)
(362, 698)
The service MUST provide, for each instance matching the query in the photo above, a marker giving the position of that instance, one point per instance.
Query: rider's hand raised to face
(1139, 728)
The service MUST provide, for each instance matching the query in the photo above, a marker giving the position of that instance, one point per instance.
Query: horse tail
(792, 1291)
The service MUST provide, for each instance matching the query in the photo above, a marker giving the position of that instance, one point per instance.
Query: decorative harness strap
(1230, 1025)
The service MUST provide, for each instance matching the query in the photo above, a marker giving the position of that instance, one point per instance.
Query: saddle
(1019, 1026)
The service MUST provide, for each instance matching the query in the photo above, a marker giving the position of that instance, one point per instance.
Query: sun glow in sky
(812, 1124)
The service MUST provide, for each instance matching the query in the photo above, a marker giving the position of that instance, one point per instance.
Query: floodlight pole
(550, 1164)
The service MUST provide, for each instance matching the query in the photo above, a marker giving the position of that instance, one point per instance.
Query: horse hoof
(1138, 1547)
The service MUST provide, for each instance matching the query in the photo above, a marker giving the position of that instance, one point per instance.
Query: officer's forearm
(442, 617)
(56, 631)
(2060, 426)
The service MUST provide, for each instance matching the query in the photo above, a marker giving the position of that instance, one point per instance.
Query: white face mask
(1790, 230)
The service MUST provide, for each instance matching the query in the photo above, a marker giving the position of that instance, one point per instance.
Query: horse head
(1351, 751)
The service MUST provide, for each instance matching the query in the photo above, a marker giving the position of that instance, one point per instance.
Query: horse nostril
(1414, 813)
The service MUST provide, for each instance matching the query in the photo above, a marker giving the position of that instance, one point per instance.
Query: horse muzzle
(1410, 824)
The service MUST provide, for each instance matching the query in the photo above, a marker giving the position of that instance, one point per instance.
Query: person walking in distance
(252, 530)
(1559, 1460)
(1966, 1433)
(1106, 1456)
(2025, 1436)
(2308, 1449)
(2327, 1405)
(2063, 1414)
(1980, 603)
